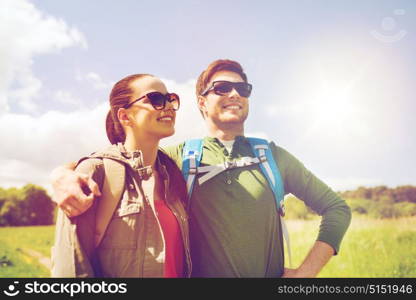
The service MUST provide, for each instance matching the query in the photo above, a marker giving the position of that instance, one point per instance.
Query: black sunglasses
(158, 100)
(223, 87)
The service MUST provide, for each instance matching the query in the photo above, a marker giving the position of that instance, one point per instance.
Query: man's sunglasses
(224, 87)
(158, 100)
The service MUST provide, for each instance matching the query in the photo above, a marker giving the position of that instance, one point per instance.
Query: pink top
(174, 262)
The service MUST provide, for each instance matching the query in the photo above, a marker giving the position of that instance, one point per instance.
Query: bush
(296, 209)
(29, 205)
(397, 210)
(406, 209)
(360, 206)
(405, 193)
(383, 211)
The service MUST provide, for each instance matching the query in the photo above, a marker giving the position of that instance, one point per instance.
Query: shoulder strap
(270, 169)
(191, 158)
(261, 149)
(113, 187)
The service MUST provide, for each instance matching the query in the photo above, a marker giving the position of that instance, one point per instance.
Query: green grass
(13, 261)
(371, 248)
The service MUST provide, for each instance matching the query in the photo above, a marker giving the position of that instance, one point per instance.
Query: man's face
(228, 108)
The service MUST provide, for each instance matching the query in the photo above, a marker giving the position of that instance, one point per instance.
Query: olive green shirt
(234, 225)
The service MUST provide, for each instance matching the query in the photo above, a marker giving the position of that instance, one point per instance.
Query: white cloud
(258, 134)
(29, 87)
(16, 172)
(66, 97)
(28, 32)
(351, 183)
(95, 80)
(34, 145)
(189, 122)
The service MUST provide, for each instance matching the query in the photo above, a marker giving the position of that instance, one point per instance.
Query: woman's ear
(123, 117)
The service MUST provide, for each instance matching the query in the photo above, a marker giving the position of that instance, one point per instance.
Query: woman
(146, 234)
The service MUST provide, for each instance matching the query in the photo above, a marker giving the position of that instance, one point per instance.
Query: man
(234, 224)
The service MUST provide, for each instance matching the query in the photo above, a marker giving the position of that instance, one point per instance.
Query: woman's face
(145, 120)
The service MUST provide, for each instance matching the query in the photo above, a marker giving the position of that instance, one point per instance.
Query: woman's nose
(169, 105)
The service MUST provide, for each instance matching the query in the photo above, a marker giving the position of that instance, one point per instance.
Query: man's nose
(233, 93)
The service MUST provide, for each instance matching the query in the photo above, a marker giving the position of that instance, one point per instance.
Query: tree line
(29, 205)
(405, 193)
(378, 202)
(382, 202)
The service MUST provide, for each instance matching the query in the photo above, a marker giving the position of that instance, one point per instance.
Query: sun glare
(336, 103)
(334, 107)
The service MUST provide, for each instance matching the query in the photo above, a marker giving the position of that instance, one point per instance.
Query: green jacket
(234, 225)
(133, 244)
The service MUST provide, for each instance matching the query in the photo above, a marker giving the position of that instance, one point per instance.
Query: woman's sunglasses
(158, 100)
(224, 87)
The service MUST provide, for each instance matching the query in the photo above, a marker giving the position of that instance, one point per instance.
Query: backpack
(191, 159)
(113, 187)
(66, 247)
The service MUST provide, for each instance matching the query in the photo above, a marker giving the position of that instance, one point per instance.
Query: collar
(129, 154)
(135, 160)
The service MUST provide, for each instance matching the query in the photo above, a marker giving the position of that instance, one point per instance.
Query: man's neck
(227, 132)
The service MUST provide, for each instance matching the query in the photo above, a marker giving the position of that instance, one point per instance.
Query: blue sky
(333, 80)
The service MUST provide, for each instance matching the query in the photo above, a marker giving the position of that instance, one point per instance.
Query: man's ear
(201, 104)
(123, 117)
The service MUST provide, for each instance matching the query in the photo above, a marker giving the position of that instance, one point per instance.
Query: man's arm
(336, 214)
(317, 258)
(73, 192)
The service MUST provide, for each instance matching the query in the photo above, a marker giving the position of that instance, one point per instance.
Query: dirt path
(43, 260)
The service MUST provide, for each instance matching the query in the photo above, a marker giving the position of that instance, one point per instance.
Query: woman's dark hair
(119, 97)
(176, 182)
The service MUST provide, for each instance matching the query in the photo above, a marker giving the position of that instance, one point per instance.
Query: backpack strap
(113, 187)
(191, 158)
(213, 170)
(261, 149)
(270, 169)
(192, 154)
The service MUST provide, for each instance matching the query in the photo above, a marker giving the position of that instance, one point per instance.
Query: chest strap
(192, 154)
(214, 170)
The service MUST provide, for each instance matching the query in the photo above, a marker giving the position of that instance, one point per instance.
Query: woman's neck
(148, 147)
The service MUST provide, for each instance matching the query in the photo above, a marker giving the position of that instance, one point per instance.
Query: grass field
(371, 248)
(14, 262)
